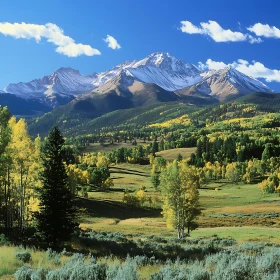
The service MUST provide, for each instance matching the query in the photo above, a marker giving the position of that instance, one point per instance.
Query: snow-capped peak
(160, 68)
(64, 81)
(224, 82)
(165, 71)
(165, 61)
(235, 76)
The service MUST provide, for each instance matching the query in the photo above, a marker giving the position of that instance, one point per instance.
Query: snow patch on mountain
(224, 82)
(165, 71)
(161, 69)
(64, 81)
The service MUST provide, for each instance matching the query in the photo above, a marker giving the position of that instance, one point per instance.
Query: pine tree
(57, 214)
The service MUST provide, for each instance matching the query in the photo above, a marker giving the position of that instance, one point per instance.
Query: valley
(160, 162)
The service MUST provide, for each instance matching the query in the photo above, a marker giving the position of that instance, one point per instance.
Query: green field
(107, 147)
(237, 210)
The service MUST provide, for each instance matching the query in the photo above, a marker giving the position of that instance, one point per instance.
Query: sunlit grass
(217, 199)
(241, 234)
(173, 153)
(9, 264)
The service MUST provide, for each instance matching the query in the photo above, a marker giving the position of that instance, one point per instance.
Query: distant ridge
(158, 77)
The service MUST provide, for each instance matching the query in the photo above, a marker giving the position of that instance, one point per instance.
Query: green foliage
(136, 199)
(4, 240)
(23, 256)
(53, 256)
(179, 185)
(24, 273)
(155, 179)
(57, 217)
(85, 121)
(99, 175)
(77, 268)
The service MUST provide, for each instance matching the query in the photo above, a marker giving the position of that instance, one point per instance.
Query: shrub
(24, 273)
(126, 272)
(53, 256)
(179, 270)
(76, 268)
(3, 240)
(23, 256)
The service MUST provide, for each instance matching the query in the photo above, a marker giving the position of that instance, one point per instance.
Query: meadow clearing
(230, 211)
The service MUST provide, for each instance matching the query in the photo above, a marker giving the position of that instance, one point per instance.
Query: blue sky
(214, 33)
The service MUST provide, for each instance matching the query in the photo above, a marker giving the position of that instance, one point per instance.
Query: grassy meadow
(229, 211)
(108, 147)
(172, 154)
(239, 211)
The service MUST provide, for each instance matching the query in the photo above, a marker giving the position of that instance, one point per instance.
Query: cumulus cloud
(211, 65)
(254, 69)
(112, 42)
(217, 33)
(265, 30)
(52, 33)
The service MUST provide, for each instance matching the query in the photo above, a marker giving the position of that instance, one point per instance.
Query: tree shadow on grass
(115, 210)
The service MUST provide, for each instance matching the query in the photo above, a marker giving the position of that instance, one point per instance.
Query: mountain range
(158, 77)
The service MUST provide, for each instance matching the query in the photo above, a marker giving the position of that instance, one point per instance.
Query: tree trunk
(7, 200)
(21, 204)
(178, 233)
(6, 206)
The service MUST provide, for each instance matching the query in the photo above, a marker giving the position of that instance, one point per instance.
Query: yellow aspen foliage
(179, 185)
(102, 160)
(108, 184)
(267, 186)
(151, 159)
(141, 196)
(76, 176)
(25, 168)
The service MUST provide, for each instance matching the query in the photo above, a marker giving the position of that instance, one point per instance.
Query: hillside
(84, 116)
(264, 101)
(74, 120)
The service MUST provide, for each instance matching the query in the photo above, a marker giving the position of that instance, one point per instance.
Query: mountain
(158, 77)
(225, 84)
(161, 69)
(121, 92)
(265, 102)
(56, 89)
(20, 106)
(165, 71)
(140, 93)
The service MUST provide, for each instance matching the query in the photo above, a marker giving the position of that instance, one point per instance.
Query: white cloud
(188, 27)
(211, 65)
(254, 40)
(52, 33)
(112, 42)
(257, 70)
(73, 50)
(265, 30)
(254, 69)
(217, 33)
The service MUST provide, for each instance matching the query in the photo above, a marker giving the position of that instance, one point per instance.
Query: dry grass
(107, 147)
(173, 153)
(9, 264)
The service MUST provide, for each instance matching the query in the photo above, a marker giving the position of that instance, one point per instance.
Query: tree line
(35, 191)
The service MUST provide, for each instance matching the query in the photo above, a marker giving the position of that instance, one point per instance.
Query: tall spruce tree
(57, 214)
